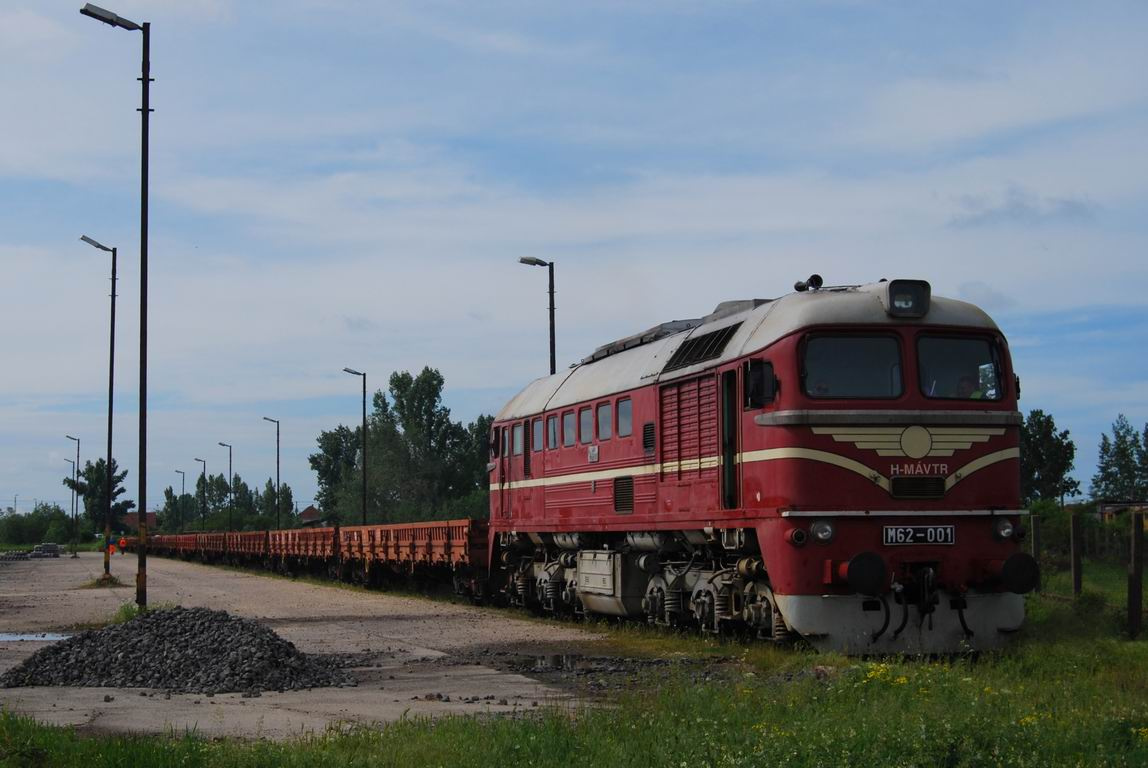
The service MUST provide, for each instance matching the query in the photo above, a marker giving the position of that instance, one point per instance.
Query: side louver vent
(700, 348)
(648, 438)
(624, 494)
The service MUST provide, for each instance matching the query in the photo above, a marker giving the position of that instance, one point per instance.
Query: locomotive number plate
(919, 534)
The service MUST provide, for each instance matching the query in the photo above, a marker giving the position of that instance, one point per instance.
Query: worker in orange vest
(123, 543)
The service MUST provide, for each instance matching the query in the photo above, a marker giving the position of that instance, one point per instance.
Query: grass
(1105, 578)
(128, 611)
(103, 581)
(1069, 691)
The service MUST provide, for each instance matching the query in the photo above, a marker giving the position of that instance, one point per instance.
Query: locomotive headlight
(907, 298)
(1003, 529)
(822, 531)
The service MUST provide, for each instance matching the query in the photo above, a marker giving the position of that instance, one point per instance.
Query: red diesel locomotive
(840, 463)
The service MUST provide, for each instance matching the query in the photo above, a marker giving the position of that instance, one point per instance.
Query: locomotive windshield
(852, 366)
(958, 368)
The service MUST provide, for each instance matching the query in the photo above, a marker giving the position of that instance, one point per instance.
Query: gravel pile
(192, 650)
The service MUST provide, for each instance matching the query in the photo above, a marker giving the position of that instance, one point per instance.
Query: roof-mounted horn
(813, 283)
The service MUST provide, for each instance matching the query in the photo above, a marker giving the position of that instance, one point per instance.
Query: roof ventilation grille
(699, 348)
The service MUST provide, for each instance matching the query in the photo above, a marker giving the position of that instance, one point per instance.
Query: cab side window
(586, 425)
(569, 429)
(625, 418)
(605, 420)
(551, 432)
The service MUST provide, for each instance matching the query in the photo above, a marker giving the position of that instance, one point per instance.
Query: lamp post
(77, 464)
(112, 19)
(111, 388)
(203, 498)
(230, 487)
(353, 372)
(73, 493)
(276, 423)
(533, 262)
(182, 492)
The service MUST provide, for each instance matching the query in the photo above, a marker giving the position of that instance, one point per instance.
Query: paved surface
(411, 657)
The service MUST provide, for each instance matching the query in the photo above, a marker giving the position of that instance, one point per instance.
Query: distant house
(132, 521)
(310, 515)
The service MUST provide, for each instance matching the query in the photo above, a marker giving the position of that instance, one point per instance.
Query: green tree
(46, 522)
(422, 465)
(91, 483)
(1119, 476)
(334, 461)
(1046, 459)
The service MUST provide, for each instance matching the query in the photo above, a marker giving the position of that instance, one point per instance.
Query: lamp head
(109, 18)
(94, 244)
(534, 262)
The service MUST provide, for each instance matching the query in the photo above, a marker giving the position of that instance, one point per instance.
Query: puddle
(37, 637)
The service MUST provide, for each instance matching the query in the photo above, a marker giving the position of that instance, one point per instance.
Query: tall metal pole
(109, 480)
(364, 449)
(230, 487)
(353, 372)
(73, 507)
(276, 421)
(77, 464)
(203, 498)
(106, 501)
(534, 261)
(182, 493)
(145, 113)
(553, 368)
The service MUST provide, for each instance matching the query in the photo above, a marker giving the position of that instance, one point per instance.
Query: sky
(352, 184)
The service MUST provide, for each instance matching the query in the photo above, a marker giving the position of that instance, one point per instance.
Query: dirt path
(410, 656)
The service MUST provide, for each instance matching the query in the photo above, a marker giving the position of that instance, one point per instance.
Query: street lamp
(111, 387)
(73, 493)
(230, 486)
(533, 262)
(276, 423)
(353, 372)
(182, 492)
(114, 20)
(77, 464)
(203, 498)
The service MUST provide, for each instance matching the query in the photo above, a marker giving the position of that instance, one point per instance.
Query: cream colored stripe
(977, 465)
(772, 454)
(581, 477)
(750, 457)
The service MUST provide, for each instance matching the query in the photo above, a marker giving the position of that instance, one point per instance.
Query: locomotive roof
(742, 326)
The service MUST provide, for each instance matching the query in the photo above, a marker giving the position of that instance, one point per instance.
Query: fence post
(1136, 575)
(1076, 543)
(1034, 523)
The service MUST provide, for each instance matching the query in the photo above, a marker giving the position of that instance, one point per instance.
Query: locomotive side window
(505, 441)
(551, 432)
(760, 384)
(517, 439)
(625, 417)
(586, 425)
(955, 368)
(536, 443)
(494, 438)
(568, 427)
(605, 420)
(852, 367)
